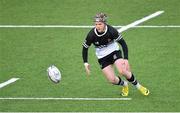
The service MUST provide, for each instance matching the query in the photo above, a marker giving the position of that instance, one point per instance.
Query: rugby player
(106, 41)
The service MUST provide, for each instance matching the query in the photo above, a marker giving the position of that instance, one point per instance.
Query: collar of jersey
(106, 28)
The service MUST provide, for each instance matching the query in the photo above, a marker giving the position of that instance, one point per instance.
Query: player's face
(100, 26)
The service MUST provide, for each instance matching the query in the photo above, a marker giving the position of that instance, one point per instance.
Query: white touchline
(84, 26)
(45, 26)
(121, 28)
(8, 82)
(97, 99)
(139, 21)
(158, 26)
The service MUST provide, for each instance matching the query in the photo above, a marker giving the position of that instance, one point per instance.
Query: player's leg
(123, 70)
(110, 75)
(108, 72)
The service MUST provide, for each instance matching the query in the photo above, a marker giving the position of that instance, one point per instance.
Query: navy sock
(133, 80)
(121, 82)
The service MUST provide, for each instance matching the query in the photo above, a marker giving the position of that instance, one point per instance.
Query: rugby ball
(54, 74)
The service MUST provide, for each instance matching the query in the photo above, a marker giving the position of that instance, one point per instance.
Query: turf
(154, 54)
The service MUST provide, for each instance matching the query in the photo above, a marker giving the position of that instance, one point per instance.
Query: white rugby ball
(54, 74)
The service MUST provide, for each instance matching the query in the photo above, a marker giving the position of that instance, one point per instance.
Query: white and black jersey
(105, 43)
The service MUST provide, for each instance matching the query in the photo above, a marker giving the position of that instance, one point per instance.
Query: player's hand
(126, 63)
(87, 68)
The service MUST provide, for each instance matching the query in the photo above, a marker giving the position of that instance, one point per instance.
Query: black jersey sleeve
(88, 41)
(124, 47)
(119, 38)
(86, 44)
(85, 54)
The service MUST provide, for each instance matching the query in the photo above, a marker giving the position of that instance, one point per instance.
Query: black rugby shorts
(110, 59)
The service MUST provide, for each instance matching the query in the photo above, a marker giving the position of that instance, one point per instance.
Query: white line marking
(83, 26)
(97, 99)
(140, 21)
(46, 26)
(8, 82)
(156, 26)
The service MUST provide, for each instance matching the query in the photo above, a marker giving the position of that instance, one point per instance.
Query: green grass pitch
(154, 55)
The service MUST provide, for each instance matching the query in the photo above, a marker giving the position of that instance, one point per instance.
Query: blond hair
(100, 17)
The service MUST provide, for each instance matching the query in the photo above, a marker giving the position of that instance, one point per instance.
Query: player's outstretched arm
(85, 60)
(87, 68)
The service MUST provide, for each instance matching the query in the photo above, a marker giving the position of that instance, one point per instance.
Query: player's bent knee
(122, 72)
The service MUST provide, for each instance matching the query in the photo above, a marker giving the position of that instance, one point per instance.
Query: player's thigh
(108, 72)
(119, 63)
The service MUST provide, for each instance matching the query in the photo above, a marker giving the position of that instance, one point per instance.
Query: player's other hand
(87, 68)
